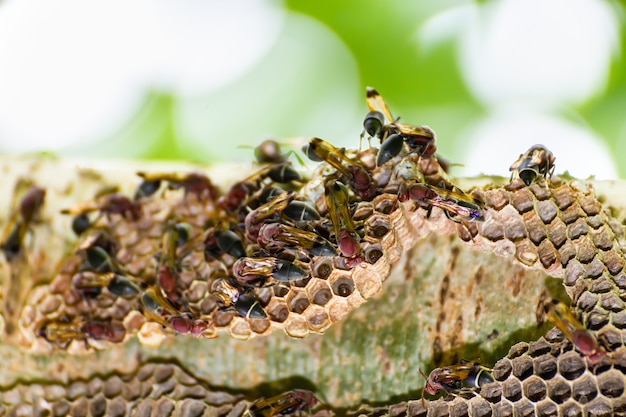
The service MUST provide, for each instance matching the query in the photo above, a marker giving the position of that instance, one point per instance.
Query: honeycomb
(284, 250)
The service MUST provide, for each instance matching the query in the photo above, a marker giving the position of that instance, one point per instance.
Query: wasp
(192, 183)
(241, 191)
(269, 152)
(455, 203)
(92, 283)
(159, 309)
(233, 298)
(108, 204)
(337, 202)
(393, 135)
(62, 334)
(272, 209)
(300, 211)
(285, 403)
(249, 270)
(278, 235)
(456, 378)
(15, 232)
(357, 176)
(217, 242)
(584, 341)
(535, 162)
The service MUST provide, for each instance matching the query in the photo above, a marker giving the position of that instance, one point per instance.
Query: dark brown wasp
(337, 202)
(92, 283)
(535, 162)
(21, 219)
(455, 203)
(109, 205)
(278, 235)
(582, 339)
(283, 404)
(240, 192)
(233, 298)
(300, 211)
(272, 209)
(393, 135)
(357, 176)
(193, 183)
(218, 242)
(250, 270)
(62, 334)
(159, 309)
(167, 273)
(456, 378)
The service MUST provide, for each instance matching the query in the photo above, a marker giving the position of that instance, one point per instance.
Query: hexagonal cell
(259, 326)
(378, 226)
(559, 390)
(317, 318)
(322, 267)
(296, 326)
(584, 389)
(223, 318)
(363, 211)
(240, 329)
(385, 203)
(197, 291)
(367, 282)
(277, 311)
(319, 292)
(373, 253)
(298, 302)
(280, 291)
(338, 308)
(534, 389)
(571, 365)
(342, 285)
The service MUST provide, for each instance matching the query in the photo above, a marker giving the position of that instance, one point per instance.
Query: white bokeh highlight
(74, 72)
(528, 63)
(498, 140)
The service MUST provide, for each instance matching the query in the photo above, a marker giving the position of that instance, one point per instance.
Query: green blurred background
(308, 76)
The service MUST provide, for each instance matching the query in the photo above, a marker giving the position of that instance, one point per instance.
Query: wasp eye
(390, 148)
(310, 153)
(80, 224)
(528, 176)
(147, 188)
(373, 123)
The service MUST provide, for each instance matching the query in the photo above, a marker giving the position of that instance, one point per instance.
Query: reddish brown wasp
(240, 192)
(92, 283)
(159, 309)
(535, 162)
(456, 378)
(455, 203)
(355, 173)
(337, 202)
(108, 204)
(62, 334)
(582, 339)
(21, 219)
(283, 404)
(393, 135)
(256, 218)
(192, 183)
(279, 235)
